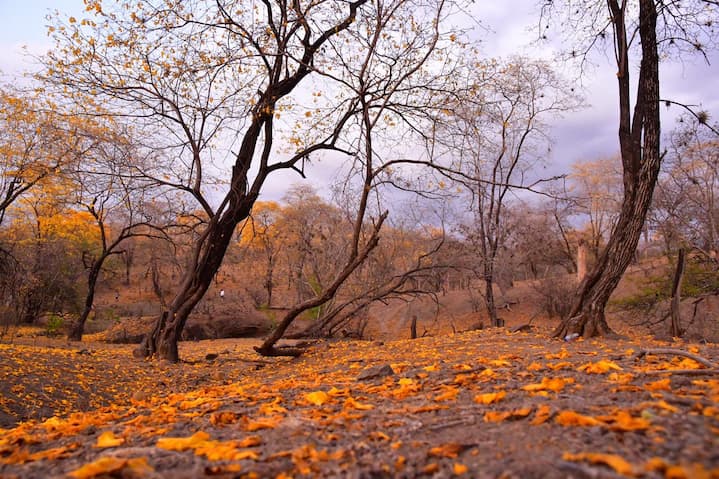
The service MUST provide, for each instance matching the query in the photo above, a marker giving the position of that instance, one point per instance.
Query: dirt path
(479, 404)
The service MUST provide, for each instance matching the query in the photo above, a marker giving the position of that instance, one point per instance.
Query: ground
(487, 403)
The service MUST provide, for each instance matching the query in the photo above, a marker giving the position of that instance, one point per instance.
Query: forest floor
(480, 404)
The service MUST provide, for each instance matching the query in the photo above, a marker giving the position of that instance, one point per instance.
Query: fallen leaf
(619, 464)
(318, 398)
(544, 412)
(351, 403)
(108, 439)
(110, 465)
(571, 418)
(459, 469)
(450, 450)
(490, 398)
(182, 443)
(600, 367)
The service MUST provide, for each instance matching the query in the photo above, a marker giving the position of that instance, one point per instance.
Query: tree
(595, 193)
(218, 81)
(118, 203)
(685, 210)
(643, 27)
(35, 143)
(497, 136)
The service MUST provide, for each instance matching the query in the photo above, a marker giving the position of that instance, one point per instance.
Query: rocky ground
(478, 404)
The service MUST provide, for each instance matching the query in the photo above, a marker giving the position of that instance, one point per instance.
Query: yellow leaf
(600, 367)
(318, 398)
(490, 398)
(108, 439)
(571, 418)
(617, 463)
(183, 443)
(431, 368)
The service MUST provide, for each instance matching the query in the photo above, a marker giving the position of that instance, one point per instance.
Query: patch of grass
(700, 277)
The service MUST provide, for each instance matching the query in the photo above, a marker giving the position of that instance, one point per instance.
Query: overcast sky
(586, 134)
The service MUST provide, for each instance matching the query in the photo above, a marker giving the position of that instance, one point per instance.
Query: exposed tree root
(676, 352)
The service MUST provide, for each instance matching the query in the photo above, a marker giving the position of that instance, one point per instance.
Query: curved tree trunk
(210, 251)
(78, 328)
(639, 142)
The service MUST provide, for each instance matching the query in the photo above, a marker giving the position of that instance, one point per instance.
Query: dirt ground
(480, 404)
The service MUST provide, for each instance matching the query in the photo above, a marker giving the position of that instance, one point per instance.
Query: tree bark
(78, 328)
(639, 142)
(675, 329)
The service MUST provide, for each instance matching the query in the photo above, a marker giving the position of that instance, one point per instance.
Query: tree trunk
(676, 330)
(413, 327)
(210, 251)
(78, 328)
(641, 161)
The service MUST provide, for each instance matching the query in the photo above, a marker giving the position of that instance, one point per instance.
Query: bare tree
(636, 31)
(498, 136)
(119, 204)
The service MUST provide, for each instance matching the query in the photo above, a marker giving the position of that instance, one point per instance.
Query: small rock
(139, 396)
(376, 372)
(211, 356)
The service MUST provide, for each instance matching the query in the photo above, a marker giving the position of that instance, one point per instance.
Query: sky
(589, 133)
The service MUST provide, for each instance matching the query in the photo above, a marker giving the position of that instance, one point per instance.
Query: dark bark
(413, 327)
(356, 258)
(78, 328)
(210, 249)
(675, 329)
(641, 161)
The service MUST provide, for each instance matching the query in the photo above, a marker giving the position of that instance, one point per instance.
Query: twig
(689, 372)
(677, 352)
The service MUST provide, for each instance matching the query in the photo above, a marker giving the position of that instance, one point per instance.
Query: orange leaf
(224, 417)
(615, 462)
(490, 398)
(110, 465)
(661, 385)
(450, 450)
(183, 443)
(108, 439)
(571, 418)
(449, 394)
(548, 384)
(544, 412)
(351, 403)
(600, 367)
(263, 423)
(318, 398)
(459, 469)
